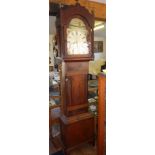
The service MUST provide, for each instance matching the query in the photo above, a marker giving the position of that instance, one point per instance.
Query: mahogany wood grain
(102, 115)
(77, 124)
(64, 17)
(77, 132)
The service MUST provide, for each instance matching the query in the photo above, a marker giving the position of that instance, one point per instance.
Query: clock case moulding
(65, 15)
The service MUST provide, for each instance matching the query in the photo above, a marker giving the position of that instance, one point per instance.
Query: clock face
(77, 38)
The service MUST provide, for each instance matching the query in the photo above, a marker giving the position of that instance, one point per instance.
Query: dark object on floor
(103, 67)
(58, 153)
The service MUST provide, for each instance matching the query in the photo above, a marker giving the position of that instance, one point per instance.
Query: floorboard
(86, 149)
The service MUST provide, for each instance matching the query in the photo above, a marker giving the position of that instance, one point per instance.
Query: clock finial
(77, 1)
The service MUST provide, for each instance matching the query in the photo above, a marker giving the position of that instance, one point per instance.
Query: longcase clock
(75, 40)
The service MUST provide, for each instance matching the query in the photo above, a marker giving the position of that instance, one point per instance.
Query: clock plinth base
(77, 130)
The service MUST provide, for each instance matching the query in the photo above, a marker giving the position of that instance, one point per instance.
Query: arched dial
(77, 37)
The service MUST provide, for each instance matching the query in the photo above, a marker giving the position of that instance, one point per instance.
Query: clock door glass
(77, 37)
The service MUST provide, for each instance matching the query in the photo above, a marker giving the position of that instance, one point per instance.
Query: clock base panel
(77, 130)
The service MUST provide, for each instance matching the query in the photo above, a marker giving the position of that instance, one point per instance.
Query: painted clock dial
(77, 43)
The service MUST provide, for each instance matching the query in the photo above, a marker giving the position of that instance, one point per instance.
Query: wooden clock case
(77, 124)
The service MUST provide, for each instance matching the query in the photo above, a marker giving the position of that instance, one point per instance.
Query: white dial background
(77, 42)
(77, 38)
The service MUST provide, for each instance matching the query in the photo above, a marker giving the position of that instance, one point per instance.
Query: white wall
(52, 32)
(51, 49)
(52, 27)
(100, 35)
(100, 55)
(99, 1)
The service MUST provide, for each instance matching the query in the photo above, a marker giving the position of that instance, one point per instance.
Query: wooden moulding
(77, 67)
(99, 9)
(76, 107)
(76, 118)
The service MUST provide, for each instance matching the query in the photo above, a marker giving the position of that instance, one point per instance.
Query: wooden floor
(55, 145)
(86, 149)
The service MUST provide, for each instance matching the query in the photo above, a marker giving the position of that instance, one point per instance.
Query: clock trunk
(77, 124)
